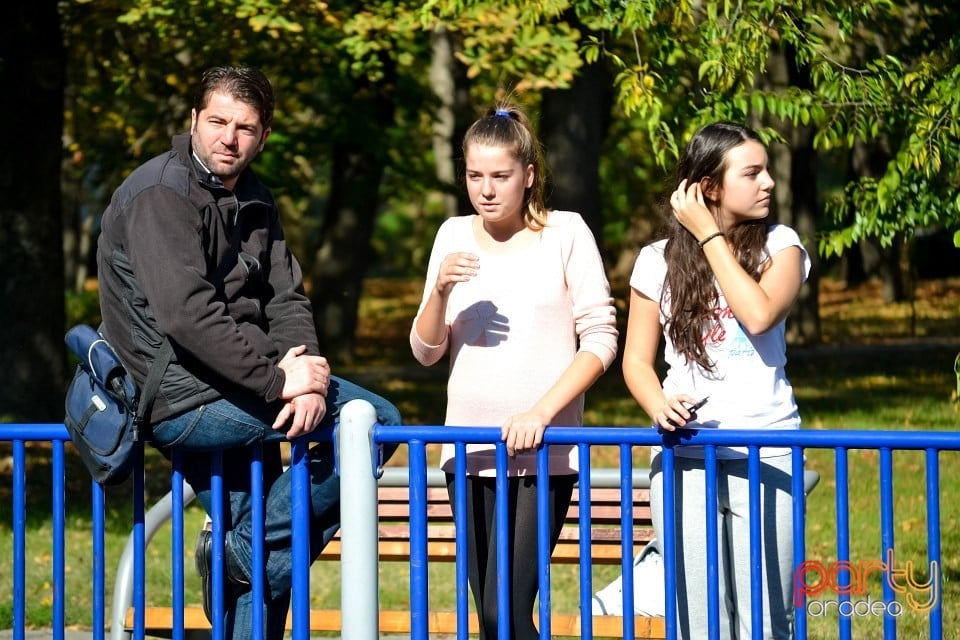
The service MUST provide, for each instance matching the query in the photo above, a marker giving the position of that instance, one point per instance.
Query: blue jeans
(233, 427)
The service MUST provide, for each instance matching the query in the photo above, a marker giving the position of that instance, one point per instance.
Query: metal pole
(359, 589)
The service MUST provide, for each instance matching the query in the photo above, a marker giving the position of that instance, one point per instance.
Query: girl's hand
(523, 432)
(690, 210)
(456, 267)
(674, 413)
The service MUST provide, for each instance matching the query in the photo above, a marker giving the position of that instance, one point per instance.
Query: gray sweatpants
(733, 535)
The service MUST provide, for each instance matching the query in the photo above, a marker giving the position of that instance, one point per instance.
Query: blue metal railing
(841, 441)
(417, 438)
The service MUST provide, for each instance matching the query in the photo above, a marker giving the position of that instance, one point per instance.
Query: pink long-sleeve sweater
(514, 328)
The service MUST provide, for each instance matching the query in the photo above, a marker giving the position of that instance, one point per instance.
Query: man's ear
(263, 139)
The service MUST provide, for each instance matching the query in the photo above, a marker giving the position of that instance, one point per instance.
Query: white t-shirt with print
(748, 388)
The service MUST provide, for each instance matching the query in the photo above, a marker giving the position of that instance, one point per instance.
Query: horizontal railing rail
(359, 592)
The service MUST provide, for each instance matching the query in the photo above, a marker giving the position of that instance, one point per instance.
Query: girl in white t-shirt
(718, 288)
(516, 295)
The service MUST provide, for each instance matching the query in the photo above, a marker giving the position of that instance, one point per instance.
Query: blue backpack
(106, 414)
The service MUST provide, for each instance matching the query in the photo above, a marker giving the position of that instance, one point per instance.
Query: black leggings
(482, 546)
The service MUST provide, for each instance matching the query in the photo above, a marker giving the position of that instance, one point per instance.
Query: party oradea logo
(844, 578)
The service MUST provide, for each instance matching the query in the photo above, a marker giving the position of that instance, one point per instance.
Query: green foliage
(518, 46)
(879, 73)
(82, 307)
(133, 66)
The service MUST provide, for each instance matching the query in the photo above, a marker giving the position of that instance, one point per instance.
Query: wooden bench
(394, 546)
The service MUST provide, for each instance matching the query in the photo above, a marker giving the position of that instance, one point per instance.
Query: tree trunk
(573, 126)
(443, 83)
(795, 198)
(803, 324)
(348, 222)
(31, 240)
(452, 117)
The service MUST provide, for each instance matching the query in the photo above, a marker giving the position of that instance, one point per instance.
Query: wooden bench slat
(445, 622)
(394, 545)
(447, 532)
(567, 551)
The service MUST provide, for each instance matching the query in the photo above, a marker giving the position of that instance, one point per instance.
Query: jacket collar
(248, 187)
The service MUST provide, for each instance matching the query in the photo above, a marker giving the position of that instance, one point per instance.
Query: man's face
(227, 135)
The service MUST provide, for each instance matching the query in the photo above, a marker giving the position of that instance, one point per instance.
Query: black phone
(693, 411)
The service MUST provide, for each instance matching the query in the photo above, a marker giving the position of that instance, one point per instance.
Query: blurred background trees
(858, 100)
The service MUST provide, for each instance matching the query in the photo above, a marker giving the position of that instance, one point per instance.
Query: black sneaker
(203, 558)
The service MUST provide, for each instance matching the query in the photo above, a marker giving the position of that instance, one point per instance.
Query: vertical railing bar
(217, 524)
(504, 567)
(98, 513)
(139, 545)
(843, 538)
(799, 541)
(300, 548)
(756, 542)
(543, 538)
(177, 574)
(258, 535)
(57, 482)
(713, 566)
(460, 528)
(934, 561)
(419, 577)
(669, 543)
(584, 507)
(626, 539)
(19, 538)
(887, 536)
(99, 559)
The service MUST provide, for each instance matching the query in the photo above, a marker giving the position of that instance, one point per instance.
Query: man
(192, 251)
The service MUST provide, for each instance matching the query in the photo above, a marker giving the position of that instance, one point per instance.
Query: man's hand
(303, 413)
(304, 374)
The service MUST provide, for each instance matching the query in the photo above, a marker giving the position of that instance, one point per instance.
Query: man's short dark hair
(246, 84)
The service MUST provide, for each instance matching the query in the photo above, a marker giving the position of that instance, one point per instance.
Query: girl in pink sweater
(518, 298)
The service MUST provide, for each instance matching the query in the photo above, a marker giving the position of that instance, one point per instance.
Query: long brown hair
(692, 288)
(507, 126)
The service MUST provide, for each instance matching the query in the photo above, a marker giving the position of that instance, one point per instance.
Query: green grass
(886, 388)
(860, 380)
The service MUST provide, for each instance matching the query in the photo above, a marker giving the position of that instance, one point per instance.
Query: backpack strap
(152, 385)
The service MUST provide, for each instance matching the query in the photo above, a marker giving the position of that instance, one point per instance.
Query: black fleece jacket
(182, 256)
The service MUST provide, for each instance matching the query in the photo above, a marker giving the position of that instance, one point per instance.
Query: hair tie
(502, 113)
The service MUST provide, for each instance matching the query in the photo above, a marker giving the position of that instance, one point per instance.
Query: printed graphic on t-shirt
(728, 335)
(740, 346)
(718, 334)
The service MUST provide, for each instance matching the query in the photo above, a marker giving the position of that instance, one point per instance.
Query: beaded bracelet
(709, 238)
